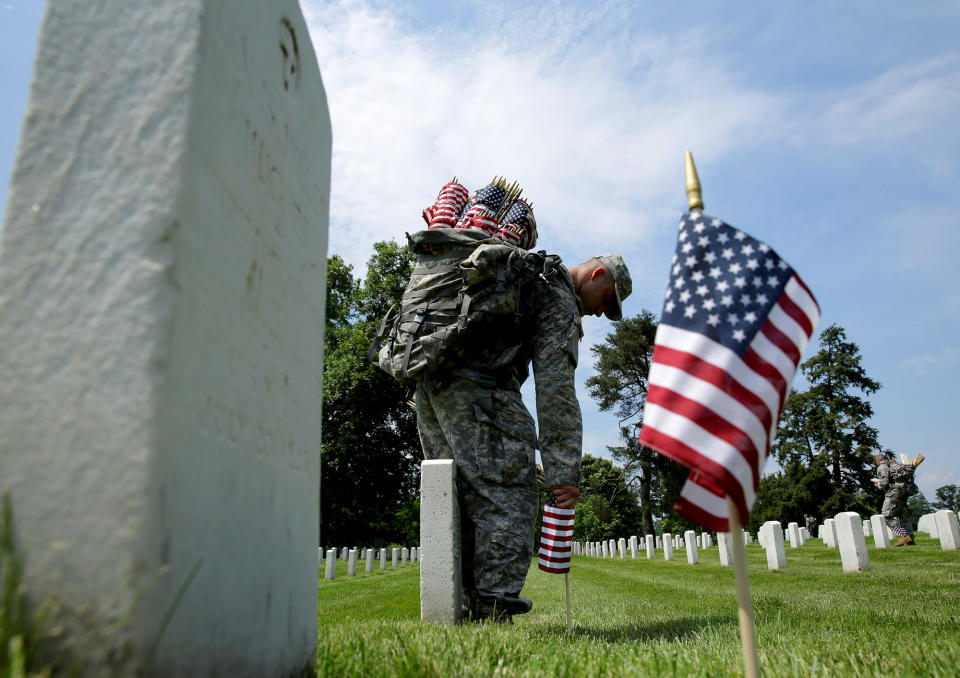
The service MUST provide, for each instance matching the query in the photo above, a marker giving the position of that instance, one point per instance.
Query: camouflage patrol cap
(621, 282)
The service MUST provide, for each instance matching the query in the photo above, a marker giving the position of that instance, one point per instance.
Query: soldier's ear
(598, 272)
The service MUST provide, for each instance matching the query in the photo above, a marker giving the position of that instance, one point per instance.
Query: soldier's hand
(565, 495)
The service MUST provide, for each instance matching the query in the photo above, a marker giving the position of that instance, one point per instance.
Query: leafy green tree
(620, 384)
(789, 494)
(948, 497)
(917, 505)
(370, 453)
(829, 423)
(608, 506)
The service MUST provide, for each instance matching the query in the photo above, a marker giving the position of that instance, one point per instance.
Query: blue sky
(826, 129)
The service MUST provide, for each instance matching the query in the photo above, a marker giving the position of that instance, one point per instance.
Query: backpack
(461, 308)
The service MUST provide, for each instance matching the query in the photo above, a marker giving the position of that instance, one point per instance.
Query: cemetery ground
(651, 617)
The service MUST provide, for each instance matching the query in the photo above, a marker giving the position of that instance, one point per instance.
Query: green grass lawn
(651, 617)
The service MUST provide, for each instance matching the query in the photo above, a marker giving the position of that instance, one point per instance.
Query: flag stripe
(555, 558)
(713, 375)
(559, 546)
(801, 295)
(773, 332)
(703, 506)
(730, 365)
(547, 567)
(720, 401)
(719, 460)
(555, 524)
(774, 355)
(681, 452)
(756, 363)
(791, 308)
(711, 422)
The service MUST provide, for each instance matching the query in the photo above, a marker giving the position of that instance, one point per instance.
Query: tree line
(371, 454)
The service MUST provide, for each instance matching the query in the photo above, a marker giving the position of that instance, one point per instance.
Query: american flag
(446, 208)
(556, 539)
(482, 209)
(519, 226)
(735, 324)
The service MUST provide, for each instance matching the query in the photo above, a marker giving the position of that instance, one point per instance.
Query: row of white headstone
(847, 533)
(690, 540)
(403, 556)
(942, 525)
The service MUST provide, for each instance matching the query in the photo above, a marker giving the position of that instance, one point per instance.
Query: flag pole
(566, 582)
(748, 636)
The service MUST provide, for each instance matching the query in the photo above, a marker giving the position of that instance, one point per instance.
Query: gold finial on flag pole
(694, 199)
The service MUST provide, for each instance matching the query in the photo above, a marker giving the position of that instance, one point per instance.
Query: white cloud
(899, 104)
(592, 125)
(932, 362)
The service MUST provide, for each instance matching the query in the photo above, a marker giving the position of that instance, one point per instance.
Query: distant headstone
(633, 547)
(880, 539)
(948, 530)
(352, 563)
(830, 533)
(928, 524)
(773, 540)
(369, 560)
(622, 547)
(690, 538)
(793, 529)
(331, 564)
(440, 567)
(606, 548)
(649, 540)
(850, 539)
(667, 546)
(659, 542)
(725, 542)
(404, 556)
(383, 554)
(867, 529)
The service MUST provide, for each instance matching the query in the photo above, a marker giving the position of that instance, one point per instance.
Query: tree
(608, 507)
(620, 384)
(948, 497)
(828, 422)
(917, 505)
(370, 450)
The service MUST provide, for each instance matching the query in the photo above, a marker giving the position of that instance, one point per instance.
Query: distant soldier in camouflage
(477, 417)
(896, 481)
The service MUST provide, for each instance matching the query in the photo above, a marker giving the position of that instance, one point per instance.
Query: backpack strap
(418, 321)
(378, 339)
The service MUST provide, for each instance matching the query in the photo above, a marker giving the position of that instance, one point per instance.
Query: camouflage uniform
(896, 481)
(479, 419)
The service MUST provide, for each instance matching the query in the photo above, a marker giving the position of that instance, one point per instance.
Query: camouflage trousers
(490, 434)
(895, 514)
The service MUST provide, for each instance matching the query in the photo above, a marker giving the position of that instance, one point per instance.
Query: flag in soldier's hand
(735, 323)
(556, 539)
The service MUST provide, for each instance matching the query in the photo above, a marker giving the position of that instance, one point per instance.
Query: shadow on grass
(669, 631)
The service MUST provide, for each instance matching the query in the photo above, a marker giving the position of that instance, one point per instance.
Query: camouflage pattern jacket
(896, 480)
(552, 335)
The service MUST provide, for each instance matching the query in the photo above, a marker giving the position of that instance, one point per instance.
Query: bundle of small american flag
(735, 324)
(556, 539)
(496, 209)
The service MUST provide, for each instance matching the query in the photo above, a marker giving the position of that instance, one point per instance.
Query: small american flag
(446, 208)
(556, 539)
(481, 209)
(735, 324)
